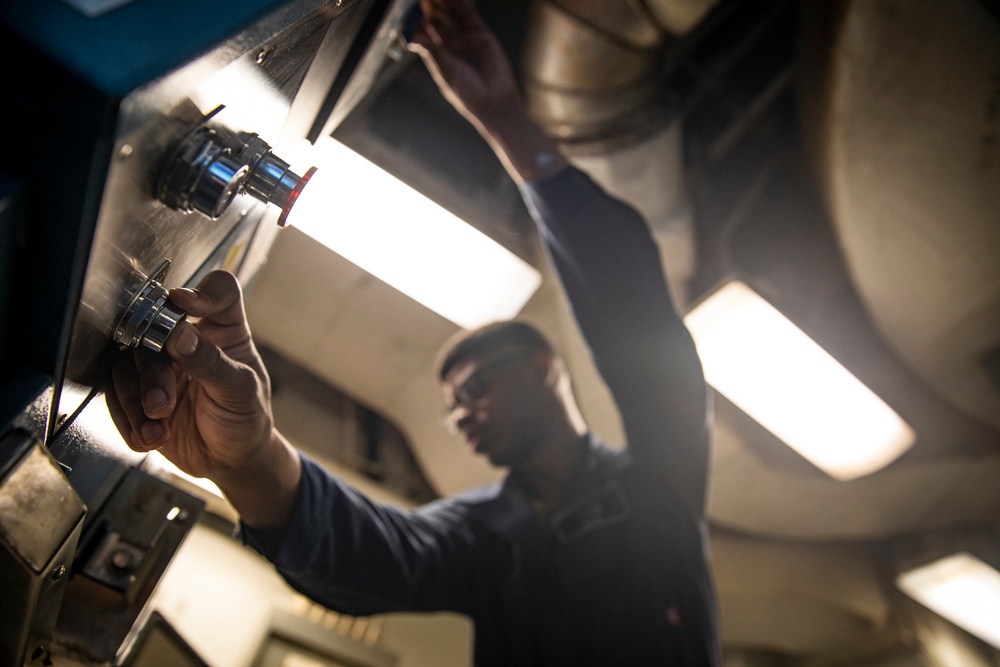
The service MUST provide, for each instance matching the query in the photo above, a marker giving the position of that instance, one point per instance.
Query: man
(583, 555)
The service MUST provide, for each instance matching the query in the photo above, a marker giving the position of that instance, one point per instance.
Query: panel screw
(120, 560)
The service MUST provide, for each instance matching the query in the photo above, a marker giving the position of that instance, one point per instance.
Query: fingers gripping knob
(148, 319)
(187, 342)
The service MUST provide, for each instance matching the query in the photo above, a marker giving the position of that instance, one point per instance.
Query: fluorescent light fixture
(962, 589)
(403, 238)
(759, 360)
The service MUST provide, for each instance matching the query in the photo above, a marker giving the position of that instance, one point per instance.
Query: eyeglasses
(473, 389)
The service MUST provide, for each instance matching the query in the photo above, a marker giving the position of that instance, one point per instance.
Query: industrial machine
(145, 144)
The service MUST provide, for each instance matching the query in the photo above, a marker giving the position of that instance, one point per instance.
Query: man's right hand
(205, 404)
(465, 58)
(474, 74)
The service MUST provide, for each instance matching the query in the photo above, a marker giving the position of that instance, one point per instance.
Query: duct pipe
(591, 69)
(591, 73)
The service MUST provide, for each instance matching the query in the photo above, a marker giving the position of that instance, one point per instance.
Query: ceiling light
(962, 589)
(769, 368)
(390, 230)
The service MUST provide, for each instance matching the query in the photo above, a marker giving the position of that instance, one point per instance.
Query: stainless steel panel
(98, 116)
(135, 231)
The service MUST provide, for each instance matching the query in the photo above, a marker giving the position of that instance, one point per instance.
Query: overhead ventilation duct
(904, 121)
(592, 76)
(592, 68)
(590, 72)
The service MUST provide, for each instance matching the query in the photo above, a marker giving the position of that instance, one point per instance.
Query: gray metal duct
(591, 69)
(591, 73)
(905, 133)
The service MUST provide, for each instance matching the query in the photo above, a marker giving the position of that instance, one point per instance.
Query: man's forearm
(527, 153)
(263, 491)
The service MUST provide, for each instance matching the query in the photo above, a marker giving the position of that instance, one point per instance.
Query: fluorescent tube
(962, 589)
(390, 230)
(769, 368)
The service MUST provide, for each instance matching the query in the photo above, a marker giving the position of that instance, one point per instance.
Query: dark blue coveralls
(618, 572)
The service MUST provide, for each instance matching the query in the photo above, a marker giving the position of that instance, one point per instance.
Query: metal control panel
(149, 144)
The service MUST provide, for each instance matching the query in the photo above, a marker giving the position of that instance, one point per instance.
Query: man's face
(495, 403)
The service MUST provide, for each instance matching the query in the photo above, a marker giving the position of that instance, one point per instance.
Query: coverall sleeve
(610, 269)
(358, 557)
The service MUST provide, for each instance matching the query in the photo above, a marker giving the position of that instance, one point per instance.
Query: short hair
(510, 335)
